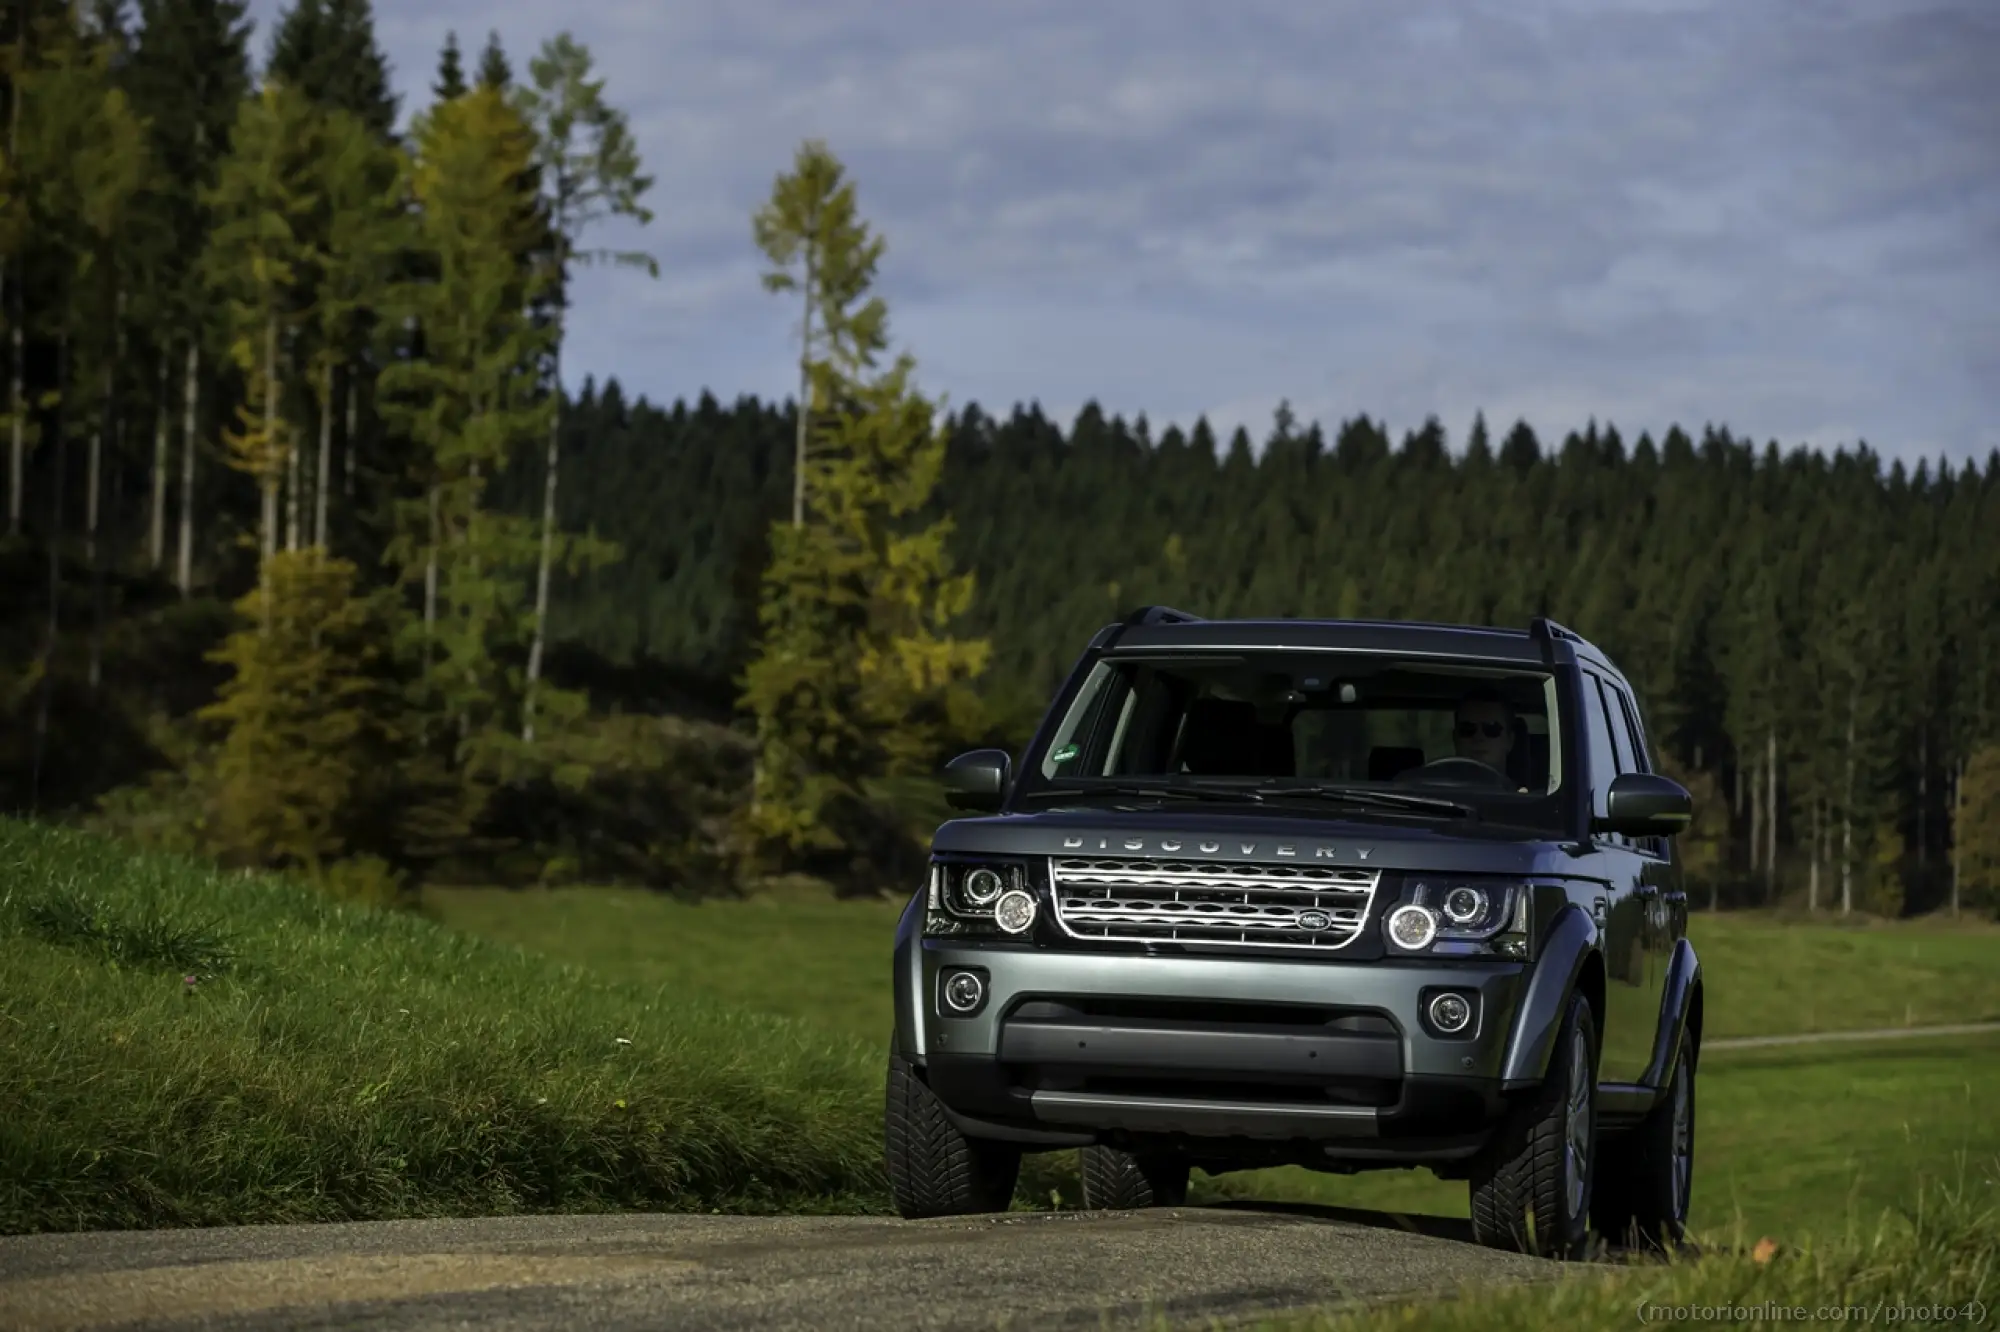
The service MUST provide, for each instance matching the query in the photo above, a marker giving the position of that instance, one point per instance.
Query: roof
(1158, 627)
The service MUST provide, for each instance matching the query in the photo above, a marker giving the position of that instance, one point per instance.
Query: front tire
(1114, 1179)
(934, 1170)
(1643, 1190)
(1531, 1186)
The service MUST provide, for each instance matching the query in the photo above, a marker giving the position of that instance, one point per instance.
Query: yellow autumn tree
(259, 259)
(858, 676)
(301, 710)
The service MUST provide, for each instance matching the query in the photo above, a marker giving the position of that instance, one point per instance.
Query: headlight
(1465, 915)
(1413, 927)
(1467, 909)
(982, 887)
(990, 898)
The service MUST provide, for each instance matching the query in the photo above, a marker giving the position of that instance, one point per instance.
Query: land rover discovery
(1344, 895)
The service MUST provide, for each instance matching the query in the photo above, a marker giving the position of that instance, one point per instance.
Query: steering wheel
(1455, 771)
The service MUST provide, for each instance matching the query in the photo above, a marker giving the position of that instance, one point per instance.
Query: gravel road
(1021, 1270)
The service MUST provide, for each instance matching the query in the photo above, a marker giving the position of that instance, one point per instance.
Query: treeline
(249, 313)
(1816, 637)
(309, 562)
(285, 452)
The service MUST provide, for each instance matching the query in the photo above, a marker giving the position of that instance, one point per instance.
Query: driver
(1483, 729)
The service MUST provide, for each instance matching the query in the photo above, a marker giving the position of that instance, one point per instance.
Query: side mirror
(1645, 804)
(978, 780)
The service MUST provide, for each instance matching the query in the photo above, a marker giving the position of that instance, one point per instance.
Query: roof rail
(1159, 615)
(1543, 630)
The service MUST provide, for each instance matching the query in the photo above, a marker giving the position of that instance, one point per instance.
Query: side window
(1614, 718)
(1632, 749)
(1597, 731)
(1634, 733)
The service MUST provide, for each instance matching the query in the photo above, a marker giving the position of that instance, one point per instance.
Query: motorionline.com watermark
(1972, 1313)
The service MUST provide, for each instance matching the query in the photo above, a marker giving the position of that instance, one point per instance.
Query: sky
(1774, 216)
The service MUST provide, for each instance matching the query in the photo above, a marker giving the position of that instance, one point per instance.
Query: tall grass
(187, 1046)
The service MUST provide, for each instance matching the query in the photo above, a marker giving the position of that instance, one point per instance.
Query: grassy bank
(331, 1063)
(326, 1063)
(1935, 1263)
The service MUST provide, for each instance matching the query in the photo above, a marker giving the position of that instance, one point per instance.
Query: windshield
(1487, 737)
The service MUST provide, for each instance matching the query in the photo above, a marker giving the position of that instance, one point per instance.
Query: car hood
(1210, 834)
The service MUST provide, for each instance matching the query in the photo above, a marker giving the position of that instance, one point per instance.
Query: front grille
(1213, 902)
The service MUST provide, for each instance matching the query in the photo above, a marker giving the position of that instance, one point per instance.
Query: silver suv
(1344, 895)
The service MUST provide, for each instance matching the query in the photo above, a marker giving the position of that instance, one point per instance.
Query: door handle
(1648, 890)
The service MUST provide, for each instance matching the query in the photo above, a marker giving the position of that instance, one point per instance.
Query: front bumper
(1072, 1046)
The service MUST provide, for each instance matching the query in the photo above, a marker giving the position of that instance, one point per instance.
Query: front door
(1631, 986)
(1659, 872)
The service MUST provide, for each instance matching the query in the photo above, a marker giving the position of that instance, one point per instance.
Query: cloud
(1785, 218)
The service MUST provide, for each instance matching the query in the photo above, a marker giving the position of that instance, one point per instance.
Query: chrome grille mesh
(1206, 901)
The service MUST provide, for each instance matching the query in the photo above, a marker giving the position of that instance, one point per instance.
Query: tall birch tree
(859, 673)
(820, 248)
(259, 260)
(590, 173)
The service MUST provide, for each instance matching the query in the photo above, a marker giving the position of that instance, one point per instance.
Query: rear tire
(1531, 1186)
(1114, 1179)
(1646, 1177)
(934, 1170)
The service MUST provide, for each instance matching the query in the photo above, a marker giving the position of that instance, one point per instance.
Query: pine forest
(309, 563)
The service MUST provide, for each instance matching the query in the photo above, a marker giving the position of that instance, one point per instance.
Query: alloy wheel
(1576, 1137)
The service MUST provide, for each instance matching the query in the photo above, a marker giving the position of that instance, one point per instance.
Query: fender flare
(1570, 942)
(908, 1037)
(1677, 1007)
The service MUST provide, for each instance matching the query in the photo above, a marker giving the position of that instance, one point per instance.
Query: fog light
(1450, 1013)
(963, 990)
(1015, 911)
(1412, 926)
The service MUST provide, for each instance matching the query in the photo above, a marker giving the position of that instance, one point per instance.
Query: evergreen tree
(451, 74)
(367, 236)
(189, 73)
(78, 163)
(494, 71)
(819, 248)
(858, 677)
(589, 172)
(265, 201)
(327, 50)
(1977, 821)
(303, 710)
(470, 403)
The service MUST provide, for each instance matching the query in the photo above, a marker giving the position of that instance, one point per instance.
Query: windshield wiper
(1156, 791)
(1396, 800)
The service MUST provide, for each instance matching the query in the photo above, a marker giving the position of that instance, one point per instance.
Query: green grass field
(184, 1046)
(584, 1050)
(1791, 1140)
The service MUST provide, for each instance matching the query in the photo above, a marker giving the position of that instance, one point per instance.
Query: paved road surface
(716, 1273)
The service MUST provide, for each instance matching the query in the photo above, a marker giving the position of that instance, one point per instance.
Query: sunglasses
(1491, 730)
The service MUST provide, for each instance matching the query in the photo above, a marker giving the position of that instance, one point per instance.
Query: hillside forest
(310, 563)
